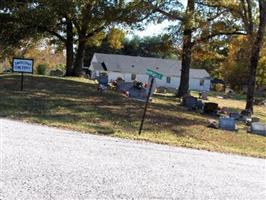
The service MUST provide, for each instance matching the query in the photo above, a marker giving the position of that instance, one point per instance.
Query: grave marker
(227, 123)
(258, 128)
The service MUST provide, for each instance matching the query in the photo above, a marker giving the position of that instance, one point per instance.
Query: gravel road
(38, 163)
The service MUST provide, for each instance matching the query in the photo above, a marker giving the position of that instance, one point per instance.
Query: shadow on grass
(77, 105)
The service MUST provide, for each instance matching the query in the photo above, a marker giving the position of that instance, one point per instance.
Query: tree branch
(95, 31)
(76, 24)
(204, 39)
(54, 33)
(169, 15)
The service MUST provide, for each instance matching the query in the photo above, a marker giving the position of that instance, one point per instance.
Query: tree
(261, 70)
(13, 37)
(235, 68)
(248, 14)
(199, 23)
(160, 46)
(210, 56)
(74, 22)
(187, 48)
(255, 53)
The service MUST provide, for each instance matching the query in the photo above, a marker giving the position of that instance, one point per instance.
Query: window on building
(133, 77)
(168, 80)
(201, 82)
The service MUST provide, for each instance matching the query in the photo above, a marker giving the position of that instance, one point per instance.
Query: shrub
(218, 87)
(41, 69)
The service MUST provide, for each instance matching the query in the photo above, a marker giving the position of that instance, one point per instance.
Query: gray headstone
(204, 95)
(235, 115)
(137, 93)
(190, 101)
(258, 128)
(227, 123)
(124, 86)
(103, 80)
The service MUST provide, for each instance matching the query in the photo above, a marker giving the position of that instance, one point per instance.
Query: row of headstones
(226, 122)
(132, 90)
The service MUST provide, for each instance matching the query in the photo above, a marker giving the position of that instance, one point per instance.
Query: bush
(41, 69)
(218, 87)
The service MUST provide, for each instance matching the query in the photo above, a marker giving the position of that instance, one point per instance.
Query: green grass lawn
(73, 103)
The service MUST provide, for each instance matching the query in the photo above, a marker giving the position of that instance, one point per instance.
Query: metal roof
(139, 65)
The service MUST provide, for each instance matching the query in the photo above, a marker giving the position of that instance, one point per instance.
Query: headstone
(203, 95)
(211, 108)
(161, 90)
(227, 123)
(255, 119)
(124, 86)
(190, 102)
(235, 115)
(225, 111)
(199, 105)
(103, 80)
(135, 93)
(258, 128)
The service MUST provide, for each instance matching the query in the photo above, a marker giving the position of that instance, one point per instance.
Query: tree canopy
(204, 33)
(71, 22)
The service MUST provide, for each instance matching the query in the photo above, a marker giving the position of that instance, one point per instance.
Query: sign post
(22, 66)
(153, 75)
(21, 83)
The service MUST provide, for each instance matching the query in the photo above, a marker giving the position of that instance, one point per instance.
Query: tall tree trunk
(255, 53)
(69, 50)
(187, 49)
(79, 57)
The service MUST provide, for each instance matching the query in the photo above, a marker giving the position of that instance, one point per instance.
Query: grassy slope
(74, 104)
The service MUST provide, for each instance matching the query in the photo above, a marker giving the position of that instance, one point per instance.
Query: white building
(132, 68)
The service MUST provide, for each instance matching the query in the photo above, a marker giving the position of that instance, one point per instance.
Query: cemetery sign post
(22, 65)
(153, 75)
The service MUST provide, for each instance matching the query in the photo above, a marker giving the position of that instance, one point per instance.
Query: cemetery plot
(75, 104)
(227, 118)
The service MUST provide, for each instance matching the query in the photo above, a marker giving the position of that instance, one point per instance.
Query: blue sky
(155, 29)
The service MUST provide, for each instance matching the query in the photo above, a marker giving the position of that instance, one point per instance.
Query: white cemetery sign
(22, 65)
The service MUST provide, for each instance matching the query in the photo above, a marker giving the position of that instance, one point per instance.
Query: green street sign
(154, 74)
